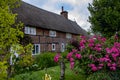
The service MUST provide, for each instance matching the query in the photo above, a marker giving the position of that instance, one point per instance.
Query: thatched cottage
(49, 31)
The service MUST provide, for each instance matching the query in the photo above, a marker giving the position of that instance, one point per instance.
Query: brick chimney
(64, 13)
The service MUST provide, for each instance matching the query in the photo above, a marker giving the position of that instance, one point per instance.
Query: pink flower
(108, 50)
(74, 50)
(78, 56)
(82, 44)
(72, 65)
(90, 56)
(114, 65)
(101, 59)
(114, 49)
(56, 58)
(107, 59)
(114, 56)
(101, 65)
(108, 64)
(91, 65)
(116, 44)
(69, 55)
(98, 49)
(91, 41)
(107, 56)
(91, 45)
(113, 68)
(71, 59)
(82, 37)
(103, 39)
(94, 68)
(98, 45)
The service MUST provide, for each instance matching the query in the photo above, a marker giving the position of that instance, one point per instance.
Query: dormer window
(52, 33)
(68, 35)
(30, 30)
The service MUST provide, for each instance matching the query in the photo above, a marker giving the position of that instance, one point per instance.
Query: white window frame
(53, 48)
(52, 33)
(68, 35)
(35, 53)
(30, 30)
(62, 47)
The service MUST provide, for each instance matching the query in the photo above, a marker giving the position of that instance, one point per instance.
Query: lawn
(53, 71)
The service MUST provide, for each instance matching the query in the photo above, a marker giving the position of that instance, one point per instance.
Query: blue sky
(77, 9)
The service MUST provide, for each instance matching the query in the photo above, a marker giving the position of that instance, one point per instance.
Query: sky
(77, 9)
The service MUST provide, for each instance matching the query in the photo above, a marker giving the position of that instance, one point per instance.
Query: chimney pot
(64, 13)
(62, 8)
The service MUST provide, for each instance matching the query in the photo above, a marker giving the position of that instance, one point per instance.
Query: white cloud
(79, 13)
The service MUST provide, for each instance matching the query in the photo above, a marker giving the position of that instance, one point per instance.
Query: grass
(54, 72)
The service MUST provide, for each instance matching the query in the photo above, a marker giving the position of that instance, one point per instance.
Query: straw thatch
(34, 16)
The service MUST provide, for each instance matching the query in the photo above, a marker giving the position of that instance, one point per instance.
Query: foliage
(72, 44)
(25, 40)
(54, 73)
(101, 75)
(94, 55)
(45, 60)
(109, 75)
(10, 34)
(24, 61)
(105, 16)
(3, 72)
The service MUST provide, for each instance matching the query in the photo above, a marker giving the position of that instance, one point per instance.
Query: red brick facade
(42, 37)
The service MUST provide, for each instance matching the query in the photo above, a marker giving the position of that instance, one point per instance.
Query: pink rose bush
(95, 54)
(57, 57)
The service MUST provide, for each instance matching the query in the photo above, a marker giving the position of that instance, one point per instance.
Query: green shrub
(45, 60)
(105, 75)
(64, 54)
(101, 75)
(23, 64)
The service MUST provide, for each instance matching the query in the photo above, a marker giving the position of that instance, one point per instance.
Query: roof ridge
(44, 9)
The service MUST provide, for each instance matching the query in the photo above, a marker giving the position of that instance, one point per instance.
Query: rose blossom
(78, 56)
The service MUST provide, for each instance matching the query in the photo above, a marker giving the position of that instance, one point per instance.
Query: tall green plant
(45, 60)
(10, 31)
(105, 16)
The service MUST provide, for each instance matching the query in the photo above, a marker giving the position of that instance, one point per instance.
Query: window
(53, 47)
(62, 47)
(30, 30)
(52, 33)
(68, 35)
(36, 49)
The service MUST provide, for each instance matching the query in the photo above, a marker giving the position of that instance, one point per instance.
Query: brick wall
(42, 38)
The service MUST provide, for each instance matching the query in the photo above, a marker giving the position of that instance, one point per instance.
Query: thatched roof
(34, 16)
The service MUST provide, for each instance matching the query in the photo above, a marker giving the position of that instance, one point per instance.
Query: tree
(105, 16)
(10, 32)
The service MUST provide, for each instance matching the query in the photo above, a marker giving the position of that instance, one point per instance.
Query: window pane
(68, 35)
(26, 30)
(37, 49)
(52, 33)
(53, 46)
(30, 30)
(62, 47)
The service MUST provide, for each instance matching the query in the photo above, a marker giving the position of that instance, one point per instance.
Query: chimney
(64, 13)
